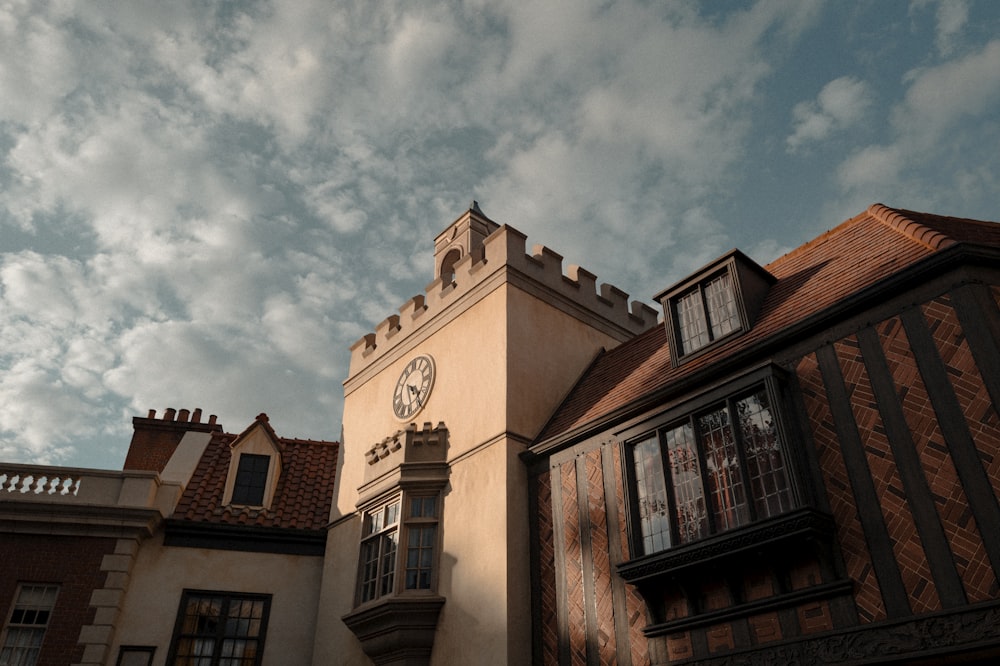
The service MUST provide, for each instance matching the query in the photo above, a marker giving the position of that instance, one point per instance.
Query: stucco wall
(160, 574)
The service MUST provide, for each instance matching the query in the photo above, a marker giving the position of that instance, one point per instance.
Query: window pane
(765, 464)
(651, 494)
(369, 569)
(691, 322)
(725, 481)
(219, 629)
(419, 556)
(685, 475)
(26, 628)
(251, 479)
(387, 564)
(721, 301)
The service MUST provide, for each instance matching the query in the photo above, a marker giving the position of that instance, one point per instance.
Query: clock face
(413, 387)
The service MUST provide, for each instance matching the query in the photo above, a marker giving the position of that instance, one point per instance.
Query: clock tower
(427, 551)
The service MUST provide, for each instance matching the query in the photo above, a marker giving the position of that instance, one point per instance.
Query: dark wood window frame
(801, 528)
(250, 484)
(219, 632)
(766, 380)
(748, 287)
(713, 327)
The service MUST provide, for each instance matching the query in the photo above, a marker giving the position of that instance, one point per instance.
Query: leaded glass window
(706, 313)
(726, 469)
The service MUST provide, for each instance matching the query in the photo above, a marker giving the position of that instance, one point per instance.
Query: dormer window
(720, 300)
(251, 479)
(707, 313)
(254, 466)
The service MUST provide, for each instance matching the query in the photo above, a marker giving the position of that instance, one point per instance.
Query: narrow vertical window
(22, 638)
(380, 539)
(691, 321)
(251, 479)
(654, 522)
(421, 535)
(765, 463)
(725, 478)
(721, 303)
(685, 477)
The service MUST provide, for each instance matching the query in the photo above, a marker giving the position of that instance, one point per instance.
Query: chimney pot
(182, 415)
(152, 414)
(169, 414)
(211, 419)
(196, 415)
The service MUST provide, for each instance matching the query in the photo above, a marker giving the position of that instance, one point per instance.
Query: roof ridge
(895, 219)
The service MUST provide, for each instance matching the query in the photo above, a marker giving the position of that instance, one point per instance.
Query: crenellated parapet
(504, 249)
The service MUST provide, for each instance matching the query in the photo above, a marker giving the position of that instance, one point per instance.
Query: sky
(204, 204)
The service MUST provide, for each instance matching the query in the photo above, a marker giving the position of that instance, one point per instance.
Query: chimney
(154, 440)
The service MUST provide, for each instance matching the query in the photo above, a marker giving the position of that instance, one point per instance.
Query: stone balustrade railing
(71, 485)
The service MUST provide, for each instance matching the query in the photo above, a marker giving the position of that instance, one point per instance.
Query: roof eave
(941, 261)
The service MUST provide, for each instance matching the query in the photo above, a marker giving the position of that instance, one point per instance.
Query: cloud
(205, 204)
(951, 18)
(841, 104)
(947, 116)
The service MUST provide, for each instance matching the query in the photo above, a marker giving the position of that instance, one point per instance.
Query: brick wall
(904, 442)
(71, 562)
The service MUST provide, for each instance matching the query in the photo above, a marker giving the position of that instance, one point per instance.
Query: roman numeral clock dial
(413, 387)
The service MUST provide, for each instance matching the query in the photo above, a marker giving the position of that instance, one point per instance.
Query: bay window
(382, 570)
(714, 469)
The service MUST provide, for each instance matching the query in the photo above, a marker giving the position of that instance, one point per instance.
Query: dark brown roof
(302, 497)
(814, 277)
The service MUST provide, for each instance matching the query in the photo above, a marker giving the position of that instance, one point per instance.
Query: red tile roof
(862, 251)
(302, 497)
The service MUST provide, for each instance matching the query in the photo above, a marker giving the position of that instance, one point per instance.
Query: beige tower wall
(509, 339)
(160, 575)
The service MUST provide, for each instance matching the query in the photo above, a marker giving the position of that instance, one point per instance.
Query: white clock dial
(413, 387)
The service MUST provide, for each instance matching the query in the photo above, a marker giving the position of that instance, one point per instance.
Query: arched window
(448, 265)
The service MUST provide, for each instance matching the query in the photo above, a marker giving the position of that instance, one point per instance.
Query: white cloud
(951, 18)
(934, 125)
(204, 204)
(841, 104)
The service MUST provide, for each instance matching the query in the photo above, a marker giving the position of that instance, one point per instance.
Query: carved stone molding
(975, 628)
(397, 630)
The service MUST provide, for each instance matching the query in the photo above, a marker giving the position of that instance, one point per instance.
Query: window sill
(771, 535)
(390, 624)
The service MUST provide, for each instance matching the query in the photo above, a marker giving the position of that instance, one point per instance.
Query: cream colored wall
(547, 350)
(335, 644)
(502, 366)
(160, 574)
(468, 395)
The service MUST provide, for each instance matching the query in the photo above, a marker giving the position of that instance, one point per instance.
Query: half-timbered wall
(898, 426)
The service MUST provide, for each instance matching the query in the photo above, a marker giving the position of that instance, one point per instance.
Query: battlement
(505, 248)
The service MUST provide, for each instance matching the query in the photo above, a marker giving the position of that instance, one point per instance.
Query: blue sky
(203, 204)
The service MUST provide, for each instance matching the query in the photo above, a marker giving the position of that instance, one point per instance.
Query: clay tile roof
(857, 254)
(302, 497)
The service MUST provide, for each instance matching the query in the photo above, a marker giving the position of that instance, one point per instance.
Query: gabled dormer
(717, 302)
(254, 466)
